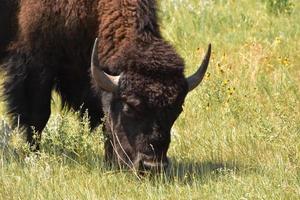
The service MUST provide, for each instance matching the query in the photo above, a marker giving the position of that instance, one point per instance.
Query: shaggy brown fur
(52, 50)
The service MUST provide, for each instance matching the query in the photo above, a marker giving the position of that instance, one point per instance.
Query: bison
(133, 77)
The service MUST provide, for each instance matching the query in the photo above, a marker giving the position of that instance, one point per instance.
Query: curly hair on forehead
(156, 92)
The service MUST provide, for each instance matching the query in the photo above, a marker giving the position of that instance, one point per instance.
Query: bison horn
(195, 79)
(103, 80)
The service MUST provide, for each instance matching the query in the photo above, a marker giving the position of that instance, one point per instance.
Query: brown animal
(136, 73)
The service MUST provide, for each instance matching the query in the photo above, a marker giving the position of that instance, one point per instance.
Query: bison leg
(27, 90)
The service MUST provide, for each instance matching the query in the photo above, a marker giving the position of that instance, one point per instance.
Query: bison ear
(195, 79)
(101, 79)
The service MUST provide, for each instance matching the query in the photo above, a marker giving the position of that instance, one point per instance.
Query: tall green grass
(239, 134)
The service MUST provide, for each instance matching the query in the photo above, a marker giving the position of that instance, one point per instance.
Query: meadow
(237, 138)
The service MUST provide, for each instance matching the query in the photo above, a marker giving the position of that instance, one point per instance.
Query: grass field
(239, 134)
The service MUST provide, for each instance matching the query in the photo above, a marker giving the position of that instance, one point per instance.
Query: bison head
(140, 111)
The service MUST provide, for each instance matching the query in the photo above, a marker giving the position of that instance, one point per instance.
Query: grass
(239, 134)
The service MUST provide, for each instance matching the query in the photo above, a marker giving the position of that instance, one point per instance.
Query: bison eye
(128, 110)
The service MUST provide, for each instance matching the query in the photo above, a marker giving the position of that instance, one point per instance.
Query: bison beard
(138, 77)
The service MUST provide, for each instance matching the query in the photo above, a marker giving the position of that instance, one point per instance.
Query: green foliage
(280, 6)
(68, 136)
(238, 137)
